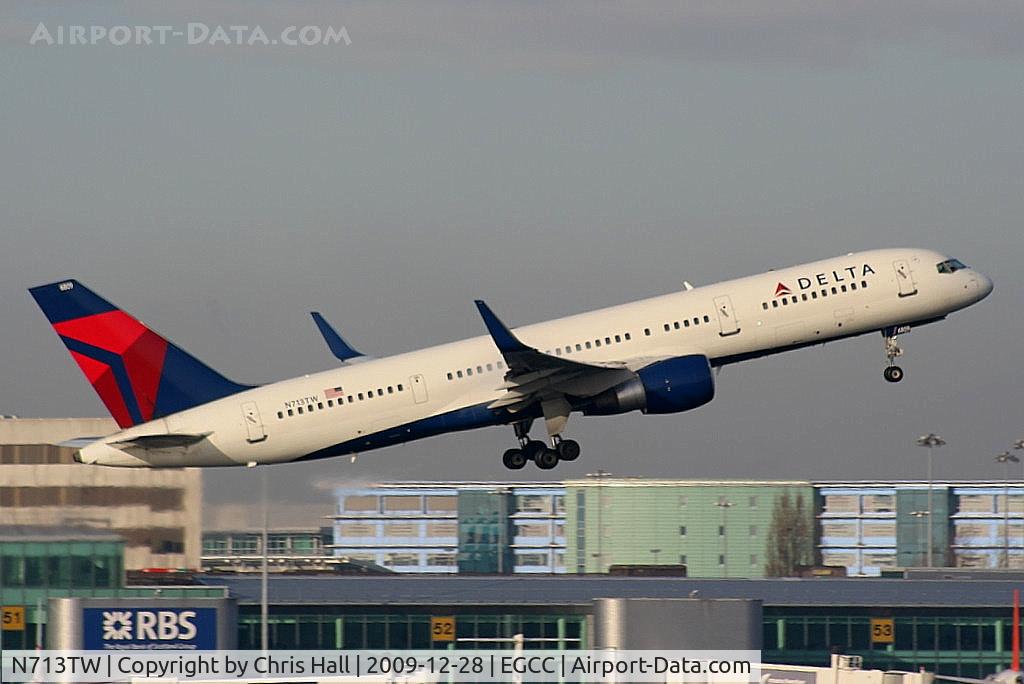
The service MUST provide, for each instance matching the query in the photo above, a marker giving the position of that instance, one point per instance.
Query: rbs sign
(149, 628)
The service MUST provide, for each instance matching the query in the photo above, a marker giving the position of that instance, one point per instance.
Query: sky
(550, 158)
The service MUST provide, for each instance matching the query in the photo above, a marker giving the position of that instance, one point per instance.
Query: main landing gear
(893, 351)
(537, 451)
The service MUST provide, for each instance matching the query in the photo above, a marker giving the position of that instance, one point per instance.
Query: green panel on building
(912, 518)
(484, 531)
(715, 529)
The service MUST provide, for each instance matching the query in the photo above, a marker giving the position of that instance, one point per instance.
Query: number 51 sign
(12, 618)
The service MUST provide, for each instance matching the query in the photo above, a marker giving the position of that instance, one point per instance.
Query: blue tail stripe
(117, 366)
(187, 382)
(67, 300)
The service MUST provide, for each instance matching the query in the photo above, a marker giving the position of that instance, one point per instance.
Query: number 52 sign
(442, 629)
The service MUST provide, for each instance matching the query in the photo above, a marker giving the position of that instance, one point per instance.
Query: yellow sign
(12, 618)
(882, 631)
(442, 628)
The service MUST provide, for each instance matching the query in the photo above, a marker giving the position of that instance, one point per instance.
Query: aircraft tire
(514, 459)
(533, 448)
(893, 373)
(546, 459)
(568, 450)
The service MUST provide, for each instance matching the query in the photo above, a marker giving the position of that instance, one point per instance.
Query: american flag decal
(333, 392)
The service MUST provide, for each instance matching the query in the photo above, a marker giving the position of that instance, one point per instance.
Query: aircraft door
(726, 316)
(904, 278)
(253, 423)
(419, 388)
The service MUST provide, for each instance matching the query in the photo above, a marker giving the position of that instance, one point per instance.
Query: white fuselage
(363, 406)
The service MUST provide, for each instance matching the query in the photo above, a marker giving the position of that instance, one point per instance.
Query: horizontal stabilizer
(341, 349)
(78, 442)
(165, 441)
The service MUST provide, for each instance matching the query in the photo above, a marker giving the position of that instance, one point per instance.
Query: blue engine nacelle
(671, 386)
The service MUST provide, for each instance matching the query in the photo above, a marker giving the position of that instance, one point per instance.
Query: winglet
(502, 336)
(337, 344)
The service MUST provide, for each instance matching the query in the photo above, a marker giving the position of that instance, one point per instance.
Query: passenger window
(380, 391)
(597, 343)
(350, 399)
(578, 347)
(280, 415)
(843, 288)
(320, 406)
(707, 319)
(628, 338)
(618, 339)
(804, 296)
(765, 305)
(667, 328)
(469, 371)
(795, 299)
(696, 321)
(360, 395)
(400, 388)
(490, 367)
(299, 410)
(824, 293)
(814, 294)
(686, 323)
(369, 395)
(450, 376)
(785, 302)
(607, 340)
(835, 291)
(558, 351)
(853, 286)
(501, 364)
(588, 345)
(391, 390)
(290, 412)
(479, 369)
(775, 303)
(863, 284)
(330, 403)
(647, 332)
(458, 373)
(676, 325)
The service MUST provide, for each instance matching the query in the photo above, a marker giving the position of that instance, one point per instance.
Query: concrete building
(157, 513)
(869, 527)
(448, 527)
(288, 550)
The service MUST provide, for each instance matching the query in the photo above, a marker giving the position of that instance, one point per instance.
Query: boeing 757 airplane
(656, 355)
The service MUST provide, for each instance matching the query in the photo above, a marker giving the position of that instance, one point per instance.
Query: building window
(682, 530)
(682, 559)
(721, 559)
(753, 502)
(753, 559)
(753, 530)
(721, 530)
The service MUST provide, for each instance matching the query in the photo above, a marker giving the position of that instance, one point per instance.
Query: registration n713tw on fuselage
(657, 355)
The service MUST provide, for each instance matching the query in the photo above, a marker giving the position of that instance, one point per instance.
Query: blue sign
(149, 628)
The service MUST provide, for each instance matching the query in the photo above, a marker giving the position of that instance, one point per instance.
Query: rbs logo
(159, 625)
(134, 628)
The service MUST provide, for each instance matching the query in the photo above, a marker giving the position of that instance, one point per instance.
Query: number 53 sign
(882, 631)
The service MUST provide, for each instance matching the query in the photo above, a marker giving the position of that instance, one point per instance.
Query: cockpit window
(950, 266)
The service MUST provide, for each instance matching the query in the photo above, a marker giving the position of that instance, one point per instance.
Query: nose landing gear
(893, 351)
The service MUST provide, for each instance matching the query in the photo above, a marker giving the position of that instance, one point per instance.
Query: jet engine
(670, 386)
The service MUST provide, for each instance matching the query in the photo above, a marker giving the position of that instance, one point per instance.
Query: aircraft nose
(984, 285)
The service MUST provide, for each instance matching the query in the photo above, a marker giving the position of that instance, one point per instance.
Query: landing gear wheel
(546, 459)
(534, 448)
(514, 459)
(568, 450)
(893, 373)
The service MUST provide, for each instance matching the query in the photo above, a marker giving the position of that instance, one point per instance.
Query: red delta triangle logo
(781, 290)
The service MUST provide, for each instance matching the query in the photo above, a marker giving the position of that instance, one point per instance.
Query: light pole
(931, 440)
(920, 515)
(723, 505)
(1006, 458)
(600, 475)
(1018, 445)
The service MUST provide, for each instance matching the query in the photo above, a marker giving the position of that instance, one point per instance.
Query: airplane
(657, 356)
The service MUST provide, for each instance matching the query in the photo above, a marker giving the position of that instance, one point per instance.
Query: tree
(790, 539)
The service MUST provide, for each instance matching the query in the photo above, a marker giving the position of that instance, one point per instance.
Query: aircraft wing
(535, 376)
